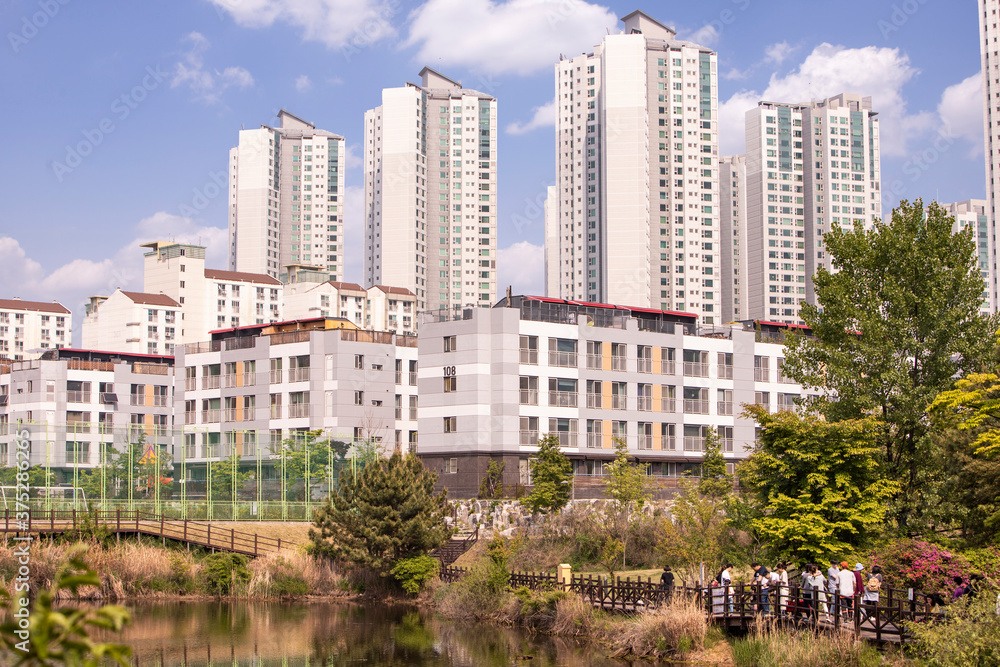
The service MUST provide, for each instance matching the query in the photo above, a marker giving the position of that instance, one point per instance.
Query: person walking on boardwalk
(819, 592)
(782, 583)
(832, 582)
(845, 589)
(667, 582)
(808, 594)
(870, 596)
(761, 578)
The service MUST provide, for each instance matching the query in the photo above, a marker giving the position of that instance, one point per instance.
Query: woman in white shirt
(782, 584)
(819, 592)
(845, 589)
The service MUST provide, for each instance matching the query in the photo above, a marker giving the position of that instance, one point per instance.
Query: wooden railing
(740, 605)
(135, 521)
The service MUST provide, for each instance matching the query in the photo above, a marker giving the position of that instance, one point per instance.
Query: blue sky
(118, 116)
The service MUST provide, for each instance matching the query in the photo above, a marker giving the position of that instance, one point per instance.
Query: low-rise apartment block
(75, 404)
(379, 307)
(133, 322)
(27, 328)
(492, 383)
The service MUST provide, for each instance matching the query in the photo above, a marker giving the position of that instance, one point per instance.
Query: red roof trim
(784, 326)
(120, 354)
(273, 324)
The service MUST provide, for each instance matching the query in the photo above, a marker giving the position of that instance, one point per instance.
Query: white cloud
(207, 85)
(353, 159)
(522, 266)
(544, 116)
(71, 283)
(829, 70)
(303, 84)
(706, 35)
(777, 53)
(961, 111)
(734, 74)
(515, 36)
(345, 24)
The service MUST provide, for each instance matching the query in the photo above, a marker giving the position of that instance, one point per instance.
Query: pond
(261, 634)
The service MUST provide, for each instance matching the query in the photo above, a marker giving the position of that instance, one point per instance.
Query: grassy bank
(144, 568)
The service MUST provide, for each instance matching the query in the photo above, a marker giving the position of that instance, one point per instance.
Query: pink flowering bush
(926, 567)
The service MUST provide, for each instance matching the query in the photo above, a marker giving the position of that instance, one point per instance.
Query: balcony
(668, 405)
(399, 377)
(594, 362)
(230, 380)
(211, 382)
(695, 406)
(725, 407)
(563, 399)
(190, 384)
(413, 378)
(645, 404)
(563, 359)
(230, 415)
(594, 401)
(667, 367)
(160, 400)
(667, 443)
(695, 369)
(618, 401)
(210, 416)
(761, 375)
(413, 414)
(529, 396)
(644, 365)
(725, 372)
(249, 379)
(528, 356)
(298, 410)
(595, 440)
(274, 376)
(528, 438)
(137, 399)
(618, 363)
(300, 374)
(275, 412)
(694, 443)
(645, 442)
(78, 396)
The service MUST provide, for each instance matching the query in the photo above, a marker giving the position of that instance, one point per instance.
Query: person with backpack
(873, 586)
(762, 578)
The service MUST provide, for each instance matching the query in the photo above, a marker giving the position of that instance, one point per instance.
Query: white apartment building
(286, 190)
(810, 168)
(29, 327)
(974, 213)
(431, 193)
(496, 380)
(377, 308)
(637, 174)
(989, 41)
(209, 298)
(132, 322)
(74, 403)
(249, 388)
(551, 248)
(733, 244)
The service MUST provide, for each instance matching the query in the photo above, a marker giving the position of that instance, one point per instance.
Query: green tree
(312, 459)
(698, 530)
(629, 488)
(551, 477)
(715, 481)
(492, 484)
(891, 328)
(226, 477)
(388, 513)
(817, 485)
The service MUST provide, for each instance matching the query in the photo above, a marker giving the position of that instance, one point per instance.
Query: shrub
(770, 646)
(969, 636)
(672, 629)
(925, 566)
(414, 573)
(985, 561)
(224, 573)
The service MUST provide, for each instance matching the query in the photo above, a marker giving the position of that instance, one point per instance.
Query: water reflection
(254, 634)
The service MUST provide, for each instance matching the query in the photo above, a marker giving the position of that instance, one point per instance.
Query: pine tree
(551, 477)
(388, 513)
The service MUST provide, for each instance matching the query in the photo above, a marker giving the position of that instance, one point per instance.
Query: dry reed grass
(770, 645)
(672, 629)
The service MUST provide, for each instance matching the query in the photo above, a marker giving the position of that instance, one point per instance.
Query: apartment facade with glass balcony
(75, 405)
(27, 328)
(494, 382)
(249, 388)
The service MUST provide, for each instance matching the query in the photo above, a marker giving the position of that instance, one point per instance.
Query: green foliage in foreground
(50, 636)
(551, 477)
(223, 573)
(413, 574)
(968, 637)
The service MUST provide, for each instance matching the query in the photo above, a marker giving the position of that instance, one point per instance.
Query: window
(644, 397)
(781, 376)
(450, 384)
(695, 363)
(449, 344)
(787, 402)
(529, 390)
(762, 398)
(725, 406)
(413, 408)
(562, 352)
(619, 395)
(725, 366)
(668, 398)
(595, 434)
(529, 349)
(645, 433)
(450, 424)
(450, 466)
(694, 438)
(726, 438)
(529, 431)
(667, 442)
(695, 400)
(618, 353)
(413, 373)
(761, 370)
(359, 361)
(563, 392)
(644, 358)
(594, 354)
(359, 397)
(275, 406)
(594, 398)
(565, 430)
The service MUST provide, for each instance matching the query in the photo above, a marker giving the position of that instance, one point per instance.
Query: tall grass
(676, 628)
(769, 645)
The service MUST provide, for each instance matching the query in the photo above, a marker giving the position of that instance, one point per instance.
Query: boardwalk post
(232, 539)
(208, 535)
(186, 534)
(279, 544)
(6, 520)
(255, 545)
(52, 519)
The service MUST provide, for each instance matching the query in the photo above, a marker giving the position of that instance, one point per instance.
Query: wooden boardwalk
(135, 522)
(741, 606)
